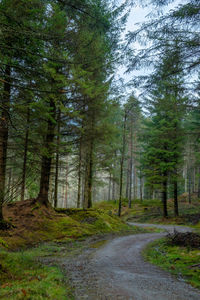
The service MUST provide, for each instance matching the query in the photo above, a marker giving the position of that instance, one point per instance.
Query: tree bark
(57, 160)
(47, 158)
(198, 195)
(66, 185)
(176, 198)
(25, 155)
(79, 174)
(127, 179)
(164, 199)
(109, 187)
(113, 189)
(90, 177)
(189, 188)
(122, 166)
(131, 165)
(4, 121)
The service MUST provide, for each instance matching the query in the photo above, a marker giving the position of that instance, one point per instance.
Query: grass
(22, 276)
(179, 261)
(150, 211)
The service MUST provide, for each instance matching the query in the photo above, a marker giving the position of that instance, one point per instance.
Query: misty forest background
(71, 131)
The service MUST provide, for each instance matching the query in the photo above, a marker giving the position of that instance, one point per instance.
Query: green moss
(177, 260)
(25, 278)
(98, 244)
(3, 243)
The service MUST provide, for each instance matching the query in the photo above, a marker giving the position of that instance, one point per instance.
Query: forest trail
(118, 271)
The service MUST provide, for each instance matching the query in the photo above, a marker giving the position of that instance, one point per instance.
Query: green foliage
(24, 277)
(180, 261)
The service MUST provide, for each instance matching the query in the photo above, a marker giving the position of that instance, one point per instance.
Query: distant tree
(163, 139)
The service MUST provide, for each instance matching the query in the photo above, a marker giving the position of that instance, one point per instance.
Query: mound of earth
(33, 223)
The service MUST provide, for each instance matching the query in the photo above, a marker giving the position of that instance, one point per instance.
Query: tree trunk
(25, 155)
(90, 177)
(113, 189)
(189, 188)
(109, 187)
(164, 199)
(47, 158)
(176, 198)
(122, 166)
(127, 179)
(66, 185)
(79, 175)
(57, 160)
(141, 190)
(131, 166)
(198, 195)
(4, 120)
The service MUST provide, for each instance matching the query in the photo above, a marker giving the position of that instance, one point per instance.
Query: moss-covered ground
(49, 233)
(183, 262)
(150, 211)
(22, 276)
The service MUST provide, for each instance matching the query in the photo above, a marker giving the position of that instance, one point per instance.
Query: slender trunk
(66, 185)
(85, 199)
(4, 120)
(198, 195)
(90, 177)
(164, 199)
(79, 175)
(9, 183)
(131, 165)
(113, 189)
(176, 198)
(127, 179)
(189, 188)
(141, 193)
(57, 160)
(109, 187)
(122, 166)
(25, 155)
(47, 158)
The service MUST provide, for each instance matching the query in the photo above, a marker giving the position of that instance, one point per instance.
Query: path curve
(118, 271)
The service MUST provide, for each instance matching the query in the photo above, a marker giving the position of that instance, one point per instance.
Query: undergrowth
(180, 261)
(22, 277)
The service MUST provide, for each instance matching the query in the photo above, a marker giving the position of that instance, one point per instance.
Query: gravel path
(118, 271)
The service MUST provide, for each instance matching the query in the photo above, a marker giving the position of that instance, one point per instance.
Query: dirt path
(118, 271)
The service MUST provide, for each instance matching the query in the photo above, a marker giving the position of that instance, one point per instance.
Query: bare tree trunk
(25, 155)
(4, 122)
(109, 187)
(164, 197)
(113, 189)
(198, 195)
(66, 185)
(141, 189)
(176, 198)
(189, 187)
(47, 158)
(122, 165)
(9, 183)
(90, 177)
(131, 165)
(57, 160)
(79, 175)
(127, 179)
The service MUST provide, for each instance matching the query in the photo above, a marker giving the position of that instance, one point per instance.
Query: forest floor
(117, 270)
(93, 255)
(49, 233)
(150, 211)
